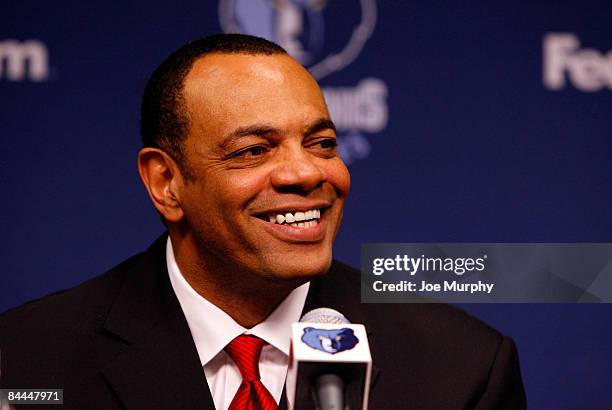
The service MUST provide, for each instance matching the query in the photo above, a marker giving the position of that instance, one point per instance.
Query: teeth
(298, 219)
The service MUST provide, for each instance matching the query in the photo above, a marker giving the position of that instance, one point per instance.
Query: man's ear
(162, 177)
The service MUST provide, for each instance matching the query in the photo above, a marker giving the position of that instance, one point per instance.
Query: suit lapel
(160, 367)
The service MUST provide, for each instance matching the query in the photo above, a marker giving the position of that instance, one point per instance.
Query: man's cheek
(245, 182)
(339, 177)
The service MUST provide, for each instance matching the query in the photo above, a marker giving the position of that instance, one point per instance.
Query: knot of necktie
(245, 350)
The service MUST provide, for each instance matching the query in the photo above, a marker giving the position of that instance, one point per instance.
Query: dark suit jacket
(121, 341)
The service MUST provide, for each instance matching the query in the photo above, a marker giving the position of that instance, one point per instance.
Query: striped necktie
(252, 394)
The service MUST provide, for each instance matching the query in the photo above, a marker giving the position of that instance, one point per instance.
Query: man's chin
(300, 270)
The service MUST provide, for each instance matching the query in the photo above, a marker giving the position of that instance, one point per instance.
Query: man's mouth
(297, 223)
(298, 219)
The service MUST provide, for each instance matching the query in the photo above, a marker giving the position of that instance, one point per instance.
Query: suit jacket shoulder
(61, 312)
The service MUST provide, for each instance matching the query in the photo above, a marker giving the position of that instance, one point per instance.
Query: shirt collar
(212, 329)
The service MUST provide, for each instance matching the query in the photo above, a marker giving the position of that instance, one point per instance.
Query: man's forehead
(244, 89)
(221, 67)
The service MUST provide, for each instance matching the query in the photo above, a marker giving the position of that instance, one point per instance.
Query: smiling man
(240, 161)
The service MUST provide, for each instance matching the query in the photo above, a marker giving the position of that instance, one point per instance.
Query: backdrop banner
(485, 122)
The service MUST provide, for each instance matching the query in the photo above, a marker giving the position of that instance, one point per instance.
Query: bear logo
(330, 341)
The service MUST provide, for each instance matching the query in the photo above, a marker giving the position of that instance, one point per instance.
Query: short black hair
(164, 122)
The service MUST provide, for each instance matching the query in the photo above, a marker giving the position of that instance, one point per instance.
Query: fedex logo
(587, 69)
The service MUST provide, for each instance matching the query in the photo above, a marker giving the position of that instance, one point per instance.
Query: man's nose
(297, 170)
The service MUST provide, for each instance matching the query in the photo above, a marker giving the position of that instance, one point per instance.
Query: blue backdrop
(487, 122)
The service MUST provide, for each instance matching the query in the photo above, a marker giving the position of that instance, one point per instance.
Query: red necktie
(252, 394)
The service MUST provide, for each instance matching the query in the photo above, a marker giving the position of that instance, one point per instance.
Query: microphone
(330, 364)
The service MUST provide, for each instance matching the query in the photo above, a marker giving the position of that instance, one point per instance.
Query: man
(240, 162)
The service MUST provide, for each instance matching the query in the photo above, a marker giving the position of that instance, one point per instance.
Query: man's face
(268, 187)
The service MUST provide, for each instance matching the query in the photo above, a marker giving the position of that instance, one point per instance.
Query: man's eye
(252, 152)
(325, 146)
(328, 144)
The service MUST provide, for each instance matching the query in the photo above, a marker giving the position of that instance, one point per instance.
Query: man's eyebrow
(320, 125)
(263, 130)
(260, 130)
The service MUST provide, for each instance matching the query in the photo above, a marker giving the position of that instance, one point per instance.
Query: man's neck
(247, 297)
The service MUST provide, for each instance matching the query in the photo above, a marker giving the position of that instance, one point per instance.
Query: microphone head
(325, 315)
(326, 343)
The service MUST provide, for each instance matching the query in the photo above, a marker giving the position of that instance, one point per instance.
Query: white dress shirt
(212, 329)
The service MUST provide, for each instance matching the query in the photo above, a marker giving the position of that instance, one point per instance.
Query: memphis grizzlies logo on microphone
(330, 341)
